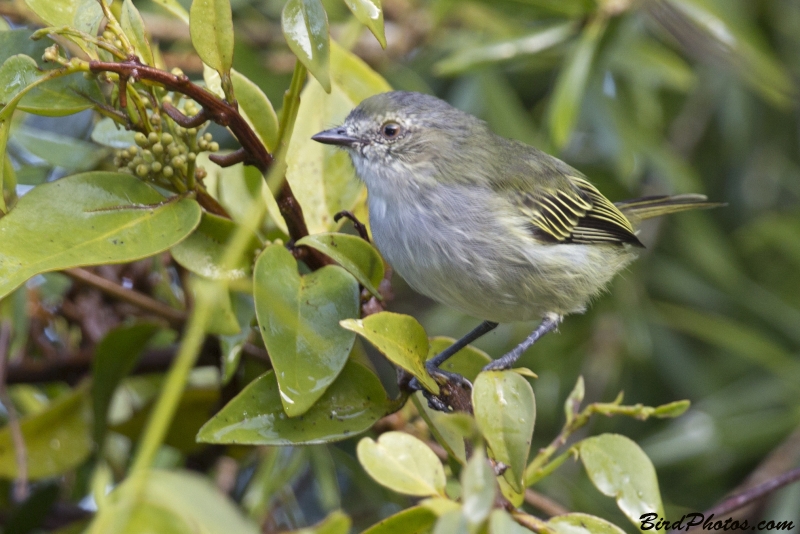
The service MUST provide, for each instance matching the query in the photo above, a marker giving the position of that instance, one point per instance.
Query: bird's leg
(548, 324)
(432, 366)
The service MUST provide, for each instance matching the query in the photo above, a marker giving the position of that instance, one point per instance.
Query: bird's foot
(455, 391)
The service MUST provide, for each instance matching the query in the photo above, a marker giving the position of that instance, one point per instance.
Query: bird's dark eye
(391, 130)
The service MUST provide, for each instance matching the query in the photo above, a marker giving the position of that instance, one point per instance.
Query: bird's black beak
(335, 136)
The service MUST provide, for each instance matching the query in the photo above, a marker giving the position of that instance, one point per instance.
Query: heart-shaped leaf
(619, 468)
(299, 319)
(255, 416)
(355, 255)
(88, 219)
(402, 463)
(505, 410)
(401, 339)
(305, 26)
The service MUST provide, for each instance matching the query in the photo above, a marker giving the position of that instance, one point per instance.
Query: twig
(221, 112)
(175, 317)
(544, 503)
(20, 452)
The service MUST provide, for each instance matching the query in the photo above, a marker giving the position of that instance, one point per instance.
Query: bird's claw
(449, 384)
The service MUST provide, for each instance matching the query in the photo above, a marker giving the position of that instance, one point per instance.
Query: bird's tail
(655, 206)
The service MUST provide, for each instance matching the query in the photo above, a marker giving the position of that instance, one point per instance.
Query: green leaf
(468, 362)
(19, 42)
(443, 428)
(671, 409)
(23, 86)
(70, 153)
(57, 439)
(231, 345)
(256, 108)
(505, 410)
(414, 520)
(299, 320)
(255, 416)
(133, 27)
(169, 502)
(305, 27)
(224, 321)
(108, 133)
(478, 488)
(115, 356)
(619, 468)
(370, 14)
(577, 523)
(565, 102)
(354, 254)
(501, 522)
(403, 464)
(336, 523)
(211, 28)
(321, 176)
(573, 403)
(83, 15)
(452, 523)
(204, 250)
(88, 219)
(400, 338)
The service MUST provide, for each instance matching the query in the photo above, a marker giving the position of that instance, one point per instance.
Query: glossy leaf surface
(505, 410)
(256, 417)
(414, 520)
(355, 255)
(370, 14)
(403, 464)
(87, 219)
(299, 320)
(400, 338)
(305, 26)
(619, 468)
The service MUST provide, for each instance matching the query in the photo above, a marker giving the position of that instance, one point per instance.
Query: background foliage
(645, 97)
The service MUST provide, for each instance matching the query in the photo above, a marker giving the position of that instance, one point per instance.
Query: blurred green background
(644, 97)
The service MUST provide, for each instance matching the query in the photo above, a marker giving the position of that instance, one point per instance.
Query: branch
(174, 316)
(219, 111)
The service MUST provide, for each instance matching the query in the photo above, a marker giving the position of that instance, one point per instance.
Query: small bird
(492, 227)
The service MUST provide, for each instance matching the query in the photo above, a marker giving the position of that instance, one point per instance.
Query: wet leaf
(255, 416)
(305, 26)
(403, 464)
(619, 468)
(321, 176)
(299, 320)
(400, 338)
(505, 410)
(57, 439)
(211, 27)
(88, 219)
(355, 255)
(370, 14)
(203, 251)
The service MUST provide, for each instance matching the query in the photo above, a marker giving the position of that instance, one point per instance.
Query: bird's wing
(578, 214)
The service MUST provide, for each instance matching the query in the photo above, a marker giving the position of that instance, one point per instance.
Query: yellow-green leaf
(211, 28)
(305, 26)
(355, 255)
(133, 26)
(370, 14)
(402, 463)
